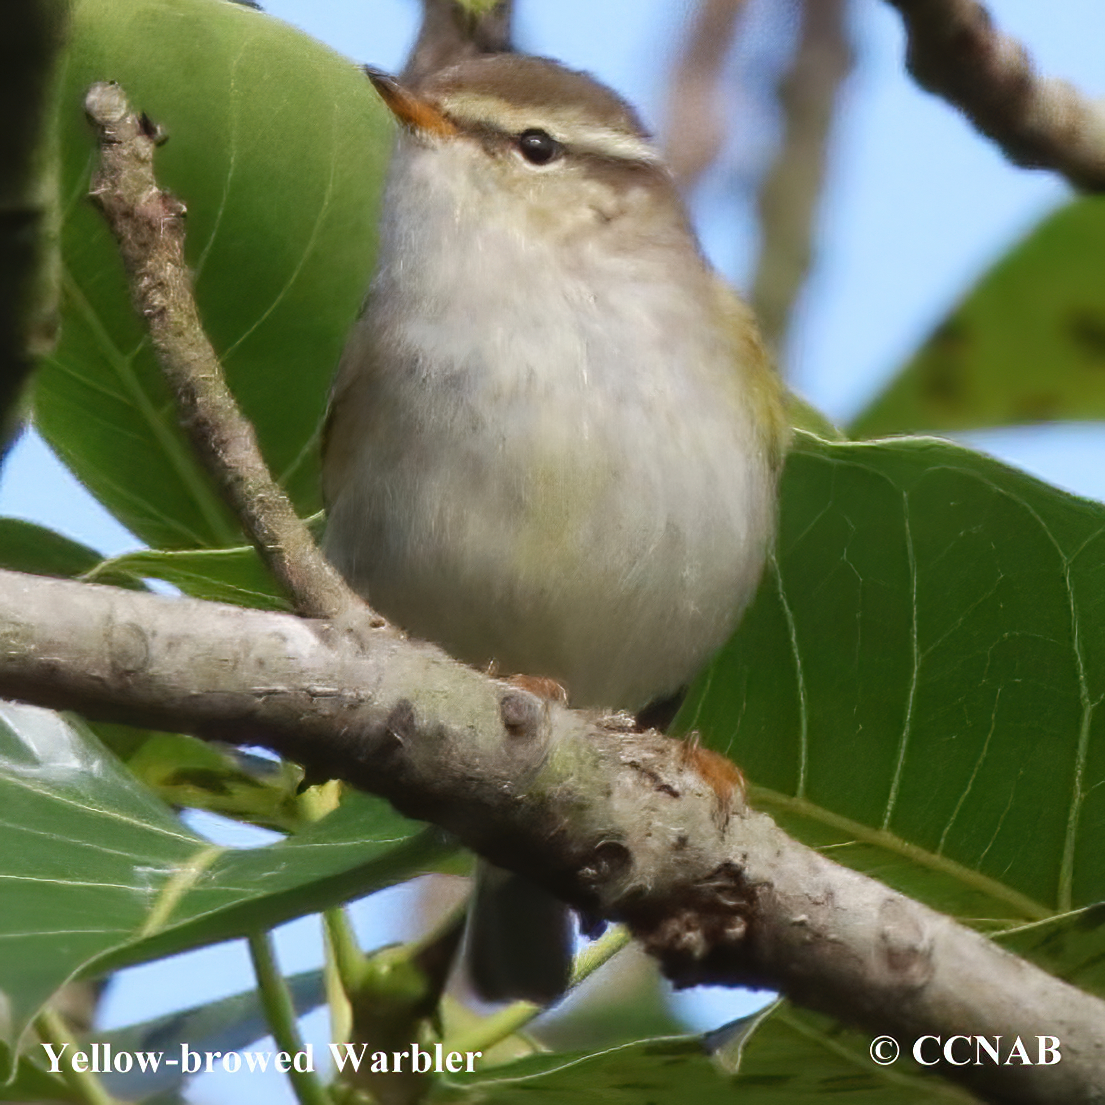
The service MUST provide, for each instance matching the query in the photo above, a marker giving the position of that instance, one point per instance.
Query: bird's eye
(539, 147)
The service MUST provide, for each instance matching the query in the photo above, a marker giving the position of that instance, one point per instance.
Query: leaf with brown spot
(1026, 345)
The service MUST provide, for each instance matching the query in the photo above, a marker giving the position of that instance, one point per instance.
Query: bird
(555, 434)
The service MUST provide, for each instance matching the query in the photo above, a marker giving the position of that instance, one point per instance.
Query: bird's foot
(540, 685)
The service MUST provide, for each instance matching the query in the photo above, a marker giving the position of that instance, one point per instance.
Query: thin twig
(695, 128)
(956, 52)
(148, 225)
(789, 194)
(280, 1016)
(88, 1088)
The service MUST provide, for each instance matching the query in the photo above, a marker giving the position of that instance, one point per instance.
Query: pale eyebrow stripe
(567, 126)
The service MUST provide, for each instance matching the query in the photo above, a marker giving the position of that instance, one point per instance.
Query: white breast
(558, 472)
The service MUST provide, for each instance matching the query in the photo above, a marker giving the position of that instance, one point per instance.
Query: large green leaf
(27, 547)
(1071, 945)
(916, 684)
(1027, 345)
(786, 1056)
(30, 1082)
(97, 872)
(187, 772)
(234, 575)
(277, 146)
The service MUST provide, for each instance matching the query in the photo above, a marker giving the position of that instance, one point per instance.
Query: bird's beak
(411, 110)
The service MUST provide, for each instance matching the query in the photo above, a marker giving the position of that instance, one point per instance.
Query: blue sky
(916, 207)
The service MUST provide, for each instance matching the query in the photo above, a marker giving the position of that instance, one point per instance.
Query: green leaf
(915, 685)
(362, 846)
(98, 873)
(27, 547)
(788, 1056)
(666, 1069)
(218, 575)
(1072, 946)
(1027, 345)
(30, 1082)
(277, 146)
(803, 416)
(188, 772)
(794, 1055)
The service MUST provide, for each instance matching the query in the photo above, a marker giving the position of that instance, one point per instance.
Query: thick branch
(955, 51)
(614, 821)
(150, 230)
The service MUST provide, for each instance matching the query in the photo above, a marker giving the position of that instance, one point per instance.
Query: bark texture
(615, 821)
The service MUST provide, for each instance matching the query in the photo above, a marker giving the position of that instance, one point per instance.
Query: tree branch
(149, 227)
(956, 52)
(614, 821)
(790, 191)
(453, 30)
(694, 128)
